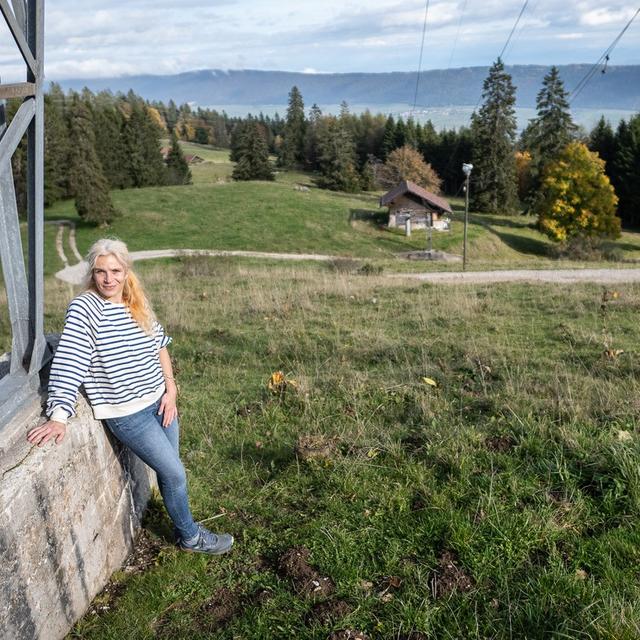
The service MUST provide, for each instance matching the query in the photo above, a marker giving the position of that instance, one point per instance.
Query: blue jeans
(144, 434)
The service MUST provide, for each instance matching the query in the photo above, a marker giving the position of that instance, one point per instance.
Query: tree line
(358, 152)
(98, 142)
(95, 143)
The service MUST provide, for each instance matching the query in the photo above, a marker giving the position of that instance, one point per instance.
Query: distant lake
(442, 117)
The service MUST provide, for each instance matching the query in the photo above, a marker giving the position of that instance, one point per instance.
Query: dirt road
(75, 273)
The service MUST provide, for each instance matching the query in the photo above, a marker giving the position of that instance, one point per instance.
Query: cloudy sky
(118, 37)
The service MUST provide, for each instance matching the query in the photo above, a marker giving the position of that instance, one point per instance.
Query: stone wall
(68, 517)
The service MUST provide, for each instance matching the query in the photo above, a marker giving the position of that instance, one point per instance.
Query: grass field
(444, 462)
(436, 461)
(216, 213)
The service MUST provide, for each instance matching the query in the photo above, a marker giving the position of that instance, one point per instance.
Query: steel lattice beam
(25, 290)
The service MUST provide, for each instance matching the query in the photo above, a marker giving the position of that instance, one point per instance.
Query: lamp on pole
(466, 169)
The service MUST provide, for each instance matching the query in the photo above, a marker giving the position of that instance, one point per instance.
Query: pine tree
(178, 171)
(56, 147)
(236, 140)
(388, 138)
(142, 139)
(494, 187)
(292, 151)
(551, 131)
(400, 138)
(253, 155)
(337, 158)
(86, 178)
(311, 138)
(625, 171)
(109, 124)
(602, 140)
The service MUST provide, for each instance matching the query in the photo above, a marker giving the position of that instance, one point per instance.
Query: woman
(113, 346)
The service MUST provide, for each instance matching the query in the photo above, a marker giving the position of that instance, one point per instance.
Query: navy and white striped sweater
(105, 350)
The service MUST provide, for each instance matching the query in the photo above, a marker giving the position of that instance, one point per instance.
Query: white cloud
(606, 16)
(104, 37)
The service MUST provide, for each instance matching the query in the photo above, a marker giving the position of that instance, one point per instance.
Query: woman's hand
(168, 408)
(47, 430)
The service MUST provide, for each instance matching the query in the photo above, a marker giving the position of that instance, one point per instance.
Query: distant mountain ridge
(618, 88)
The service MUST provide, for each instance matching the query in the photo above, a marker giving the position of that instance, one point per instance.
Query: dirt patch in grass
(449, 577)
(500, 444)
(348, 634)
(218, 610)
(251, 409)
(315, 448)
(294, 565)
(260, 597)
(329, 611)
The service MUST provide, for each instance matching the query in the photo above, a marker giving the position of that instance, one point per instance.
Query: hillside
(618, 88)
(215, 213)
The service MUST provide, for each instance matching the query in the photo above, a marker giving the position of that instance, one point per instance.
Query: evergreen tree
(56, 147)
(311, 138)
(337, 158)
(553, 129)
(602, 140)
(142, 139)
(253, 155)
(388, 138)
(109, 123)
(411, 134)
(494, 133)
(236, 139)
(625, 171)
(178, 171)
(400, 137)
(292, 151)
(86, 178)
(550, 132)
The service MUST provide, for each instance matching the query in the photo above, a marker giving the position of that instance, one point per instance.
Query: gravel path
(566, 276)
(75, 273)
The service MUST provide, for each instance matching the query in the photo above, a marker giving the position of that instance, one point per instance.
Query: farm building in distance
(409, 201)
(190, 158)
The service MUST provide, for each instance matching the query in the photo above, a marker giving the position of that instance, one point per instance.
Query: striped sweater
(103, 349)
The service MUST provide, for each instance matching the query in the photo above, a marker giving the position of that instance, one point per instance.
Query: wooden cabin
(409, 201)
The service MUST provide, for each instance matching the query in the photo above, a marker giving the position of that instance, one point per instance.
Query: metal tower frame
(24, 287)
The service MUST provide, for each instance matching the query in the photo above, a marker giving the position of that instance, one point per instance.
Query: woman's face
(109, 277)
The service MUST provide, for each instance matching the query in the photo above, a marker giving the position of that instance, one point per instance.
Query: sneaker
(208, 542)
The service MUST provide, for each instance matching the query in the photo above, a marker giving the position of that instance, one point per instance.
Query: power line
(455, 42)
(424, 31)
(603, 58)
(506, 44)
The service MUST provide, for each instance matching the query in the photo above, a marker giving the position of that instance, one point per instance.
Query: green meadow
(216, 213)
(396, 460)
(439, 462)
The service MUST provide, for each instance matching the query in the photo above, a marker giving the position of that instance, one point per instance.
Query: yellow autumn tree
(576, 199)
(523, 173)
(157, 119)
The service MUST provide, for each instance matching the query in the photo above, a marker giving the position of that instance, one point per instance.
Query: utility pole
(466, 169)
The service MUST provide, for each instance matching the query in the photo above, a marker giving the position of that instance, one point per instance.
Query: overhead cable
(506, 44)
(424, 31)
(577, 90)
